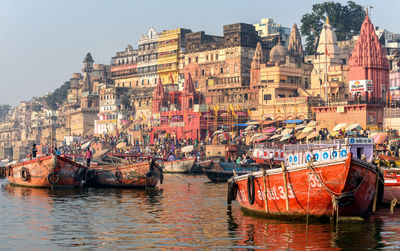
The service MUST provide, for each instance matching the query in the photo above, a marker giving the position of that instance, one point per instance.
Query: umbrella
(268, 129)
(313, 135)
(224, 114)
(302, 135)
(299, 127)
(216, 132)
(353, 126)
(308, 129)
(253, 123)
(86, 144)
(285, 137)
(339, 126)
(187, 149)
(279, 129)
(250, 127)
(379, 138)
(312, 123)
(120, 145)
(290, 126)
(224, 136)
(255, 136)
(286, 131)
(262, 138)
(333, 134)
(276, 136)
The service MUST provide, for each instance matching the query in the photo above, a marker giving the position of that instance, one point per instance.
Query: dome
(278, 54)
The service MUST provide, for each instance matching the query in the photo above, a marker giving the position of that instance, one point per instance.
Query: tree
(58, 96)
(345, 19)
(3, 111)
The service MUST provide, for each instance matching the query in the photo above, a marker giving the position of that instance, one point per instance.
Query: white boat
(178, 166)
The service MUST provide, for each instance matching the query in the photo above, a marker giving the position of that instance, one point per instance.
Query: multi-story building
(267, 28)
(220, 66)
(171, 46)
(124, 68)
(114, 112)
(147, 59)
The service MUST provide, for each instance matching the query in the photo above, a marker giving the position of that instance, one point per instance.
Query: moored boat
(178, 166)
(217, 176)
(228, 166)
(47, 171)
(145, 174)
(314, 180)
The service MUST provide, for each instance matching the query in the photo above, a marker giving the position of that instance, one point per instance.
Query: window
(189, 60)
(267, 96)
(222, 70)
(142, 82)
(212, 57)
(197, 59)
(235, 68)
(216, 56)
(202, 72)
(207, 58)
(227, 69)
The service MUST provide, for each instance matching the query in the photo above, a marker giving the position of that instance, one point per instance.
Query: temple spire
(189, 87)
(295, 47)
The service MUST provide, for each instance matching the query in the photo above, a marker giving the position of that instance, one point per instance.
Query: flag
(326, 51)
(169, 116)
(279, 110)
(237, 107)
(217, 107)
(234, 113)
(248, 111)
(232, 108)
(200, 114)
(295, 109)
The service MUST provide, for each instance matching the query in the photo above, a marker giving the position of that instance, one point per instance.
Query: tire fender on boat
(24, 174)
(53, 178)
(251, 190)
(232, 191)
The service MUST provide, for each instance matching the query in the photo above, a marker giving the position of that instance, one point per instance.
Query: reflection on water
(169, 217)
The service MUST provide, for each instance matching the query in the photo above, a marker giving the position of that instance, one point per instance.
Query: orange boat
(47, 171)
(137, 175)
(334, 181)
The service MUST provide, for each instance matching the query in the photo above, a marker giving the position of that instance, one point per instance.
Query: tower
(188, 94)
(369, 63)
(159, 98)
(258, 59)
(295, 47)
(87, 69)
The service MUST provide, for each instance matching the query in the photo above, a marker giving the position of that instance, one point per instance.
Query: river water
(172, 216)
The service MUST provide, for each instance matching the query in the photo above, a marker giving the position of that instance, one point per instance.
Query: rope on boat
(285, 185)
(265, 191)
(335, 196)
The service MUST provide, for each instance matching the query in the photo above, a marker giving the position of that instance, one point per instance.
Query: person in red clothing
(88, 156)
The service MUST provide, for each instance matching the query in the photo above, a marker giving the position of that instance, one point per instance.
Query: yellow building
(170, 54)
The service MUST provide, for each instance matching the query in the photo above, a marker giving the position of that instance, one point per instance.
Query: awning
(255, 136)
(241, 113)
(250, 127)
(287, 131)
(308, 129)
(293, 121)
(379, 138)
(159, 131)
(269, 122)
(262, 138)
(299, 127)
(240, 124)
(217, 132)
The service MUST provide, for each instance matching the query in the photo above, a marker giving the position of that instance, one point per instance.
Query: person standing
(88, 156)
(34, 151)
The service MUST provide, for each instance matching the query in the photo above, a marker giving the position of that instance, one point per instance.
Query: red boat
(47, 171)
(392, 185)
(318, 188)
(137, 175)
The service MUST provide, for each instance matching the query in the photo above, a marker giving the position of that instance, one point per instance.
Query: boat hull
(218, 176)
(178, 166)
(311, 190)
(144, 174)
(45, 172)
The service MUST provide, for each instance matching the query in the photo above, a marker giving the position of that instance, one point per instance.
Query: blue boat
(228, 166)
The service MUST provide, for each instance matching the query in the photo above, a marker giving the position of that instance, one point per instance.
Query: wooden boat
(47, 171)
(136, 175)
(228, 166)
(392, 185)
(217, 176)
(178, 166)
(335, 182)
(206, 164)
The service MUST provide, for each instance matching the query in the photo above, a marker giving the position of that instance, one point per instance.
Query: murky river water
(169, 217)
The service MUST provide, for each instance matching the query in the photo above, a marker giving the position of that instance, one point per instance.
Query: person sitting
(238, 160)
(171, 157)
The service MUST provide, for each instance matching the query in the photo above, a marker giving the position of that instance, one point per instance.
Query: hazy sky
(42, 42)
